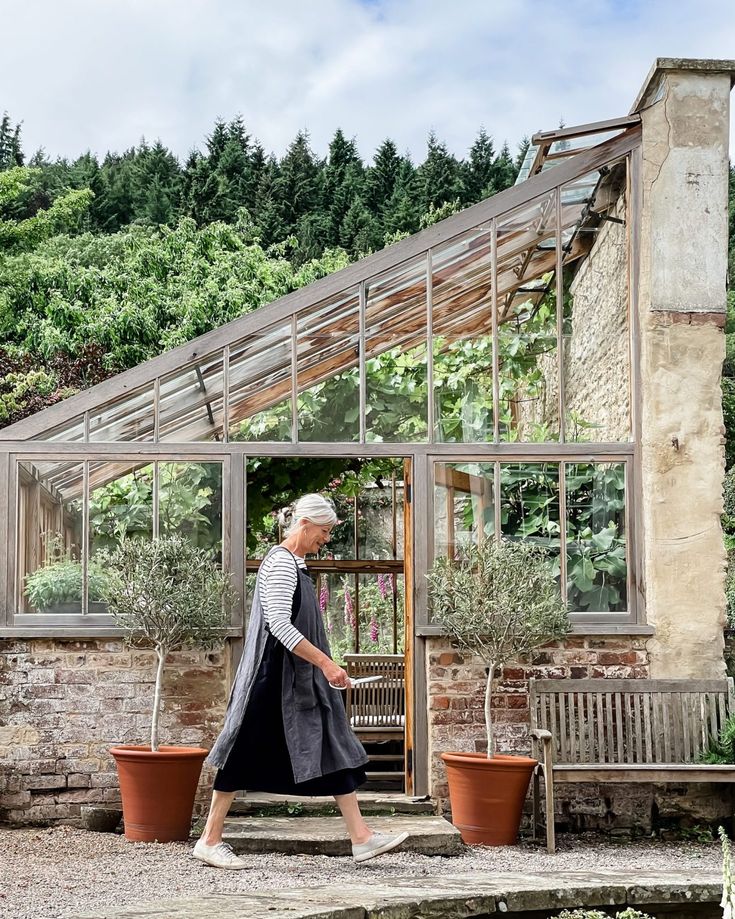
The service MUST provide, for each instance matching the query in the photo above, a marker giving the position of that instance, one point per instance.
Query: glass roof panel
(396, 355)
(128, 419)
(191, 403)
(327, 362)
(71, 432)
(259, 399)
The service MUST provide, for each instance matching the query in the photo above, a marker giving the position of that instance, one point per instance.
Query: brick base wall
(456, 685)
(63, 704)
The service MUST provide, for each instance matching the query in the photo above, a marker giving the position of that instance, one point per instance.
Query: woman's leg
(359, 831)
(221, 801)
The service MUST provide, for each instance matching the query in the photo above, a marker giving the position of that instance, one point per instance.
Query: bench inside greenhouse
(377, 712)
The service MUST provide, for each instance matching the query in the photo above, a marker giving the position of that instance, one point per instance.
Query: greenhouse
(486, 377)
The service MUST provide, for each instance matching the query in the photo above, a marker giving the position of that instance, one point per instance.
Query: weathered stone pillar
(684, 107)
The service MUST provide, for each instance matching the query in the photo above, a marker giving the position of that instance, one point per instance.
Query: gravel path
(61, 872)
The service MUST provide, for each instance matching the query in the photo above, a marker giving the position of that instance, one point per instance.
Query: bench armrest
(539, 734)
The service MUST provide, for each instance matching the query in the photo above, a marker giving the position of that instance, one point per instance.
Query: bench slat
(617, 698)
(647, 704)
(600, 719)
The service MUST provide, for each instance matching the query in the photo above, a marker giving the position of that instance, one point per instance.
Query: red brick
(616, 658)
(518, 702)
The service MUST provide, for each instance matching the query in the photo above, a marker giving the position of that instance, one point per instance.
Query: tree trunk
(157, 699)
(488, 722)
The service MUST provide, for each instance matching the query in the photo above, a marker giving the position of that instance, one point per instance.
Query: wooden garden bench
(377, 711)
(624, 731)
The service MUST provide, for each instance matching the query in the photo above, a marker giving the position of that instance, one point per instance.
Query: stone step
(261, 804)
(326, 835)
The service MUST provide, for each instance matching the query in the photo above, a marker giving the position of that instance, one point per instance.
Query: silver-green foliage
(500, 601)
(166, 595)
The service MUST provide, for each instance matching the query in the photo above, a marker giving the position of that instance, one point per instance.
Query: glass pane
(260, 387)
(464, 512)
(529, 505)
(71, 432)
(596, 540)
(191, 403)
(596, 327)
(128, 419)
(380, 511)
(336, 593)
(395, 355)
(120, 507)
(328, 349)
(380, 612)
(462, 339)
(49, 541)
(190, 503)
(527, 327)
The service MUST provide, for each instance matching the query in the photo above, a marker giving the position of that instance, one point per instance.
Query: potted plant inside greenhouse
(56, 586)
(166, 594)
(499, 601)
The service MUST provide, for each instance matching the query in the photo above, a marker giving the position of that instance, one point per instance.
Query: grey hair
(313, 507)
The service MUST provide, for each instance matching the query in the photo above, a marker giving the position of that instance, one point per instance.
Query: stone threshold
(260, 803)
(457, 896)
(326, 835)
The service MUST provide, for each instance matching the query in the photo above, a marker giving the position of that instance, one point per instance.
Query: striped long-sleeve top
(277, 589)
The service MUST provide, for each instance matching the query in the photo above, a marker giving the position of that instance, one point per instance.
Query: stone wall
(596, 360)
(63, 704)
(684, 109)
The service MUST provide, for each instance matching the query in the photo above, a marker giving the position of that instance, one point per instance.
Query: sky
(101, 74)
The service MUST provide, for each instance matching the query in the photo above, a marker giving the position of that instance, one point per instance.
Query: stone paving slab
(457, 896)
(326, 835)
(370, 803)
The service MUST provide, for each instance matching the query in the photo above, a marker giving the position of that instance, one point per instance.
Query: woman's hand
(335, 674)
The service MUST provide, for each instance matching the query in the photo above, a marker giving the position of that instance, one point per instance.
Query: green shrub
(721, 749)
(61, 582)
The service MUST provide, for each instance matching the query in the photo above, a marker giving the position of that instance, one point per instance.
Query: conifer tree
(479, 170)
(11, 152)
(438, 177)
(403, 209)
(297, 185)
(505, 170)
(382, 176)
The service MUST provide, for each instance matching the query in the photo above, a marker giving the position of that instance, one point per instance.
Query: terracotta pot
(158, 790)
(487, 795)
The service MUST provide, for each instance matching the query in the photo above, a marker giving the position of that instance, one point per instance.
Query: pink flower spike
(374, 633)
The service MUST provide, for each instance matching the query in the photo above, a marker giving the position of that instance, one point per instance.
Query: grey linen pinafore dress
(286, 730)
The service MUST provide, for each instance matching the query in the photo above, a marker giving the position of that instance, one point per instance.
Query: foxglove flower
(383, 585)
(324, 595)
(374, 633)
(349, 608)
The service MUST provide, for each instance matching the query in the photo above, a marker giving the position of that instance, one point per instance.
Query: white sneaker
(378, 844)
(218, 856)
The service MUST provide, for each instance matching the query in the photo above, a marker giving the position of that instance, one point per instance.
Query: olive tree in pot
(499, 601)
(166, 595)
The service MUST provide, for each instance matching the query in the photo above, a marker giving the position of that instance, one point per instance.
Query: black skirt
(259, 760)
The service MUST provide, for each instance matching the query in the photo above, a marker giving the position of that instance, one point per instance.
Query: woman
(286, 730)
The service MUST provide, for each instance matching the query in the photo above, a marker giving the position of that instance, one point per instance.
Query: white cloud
(100, 74)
